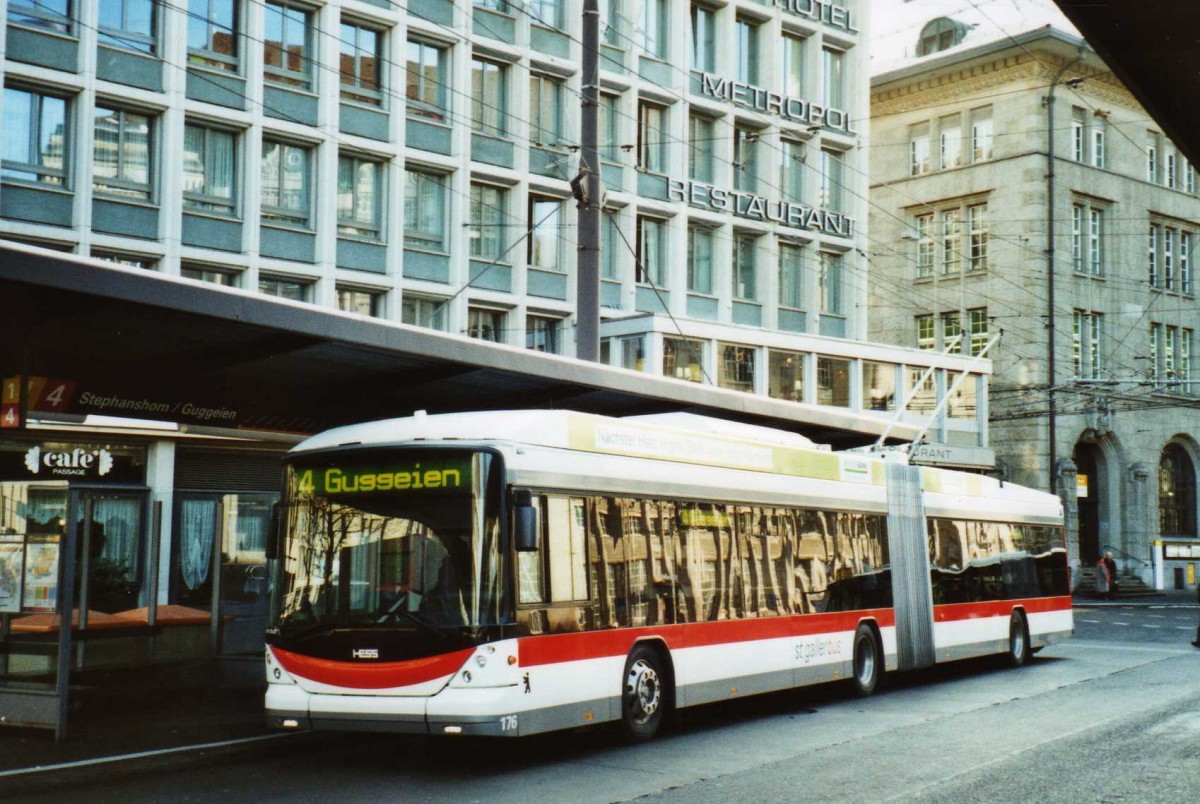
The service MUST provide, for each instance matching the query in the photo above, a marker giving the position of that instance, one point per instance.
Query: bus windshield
(386, 538)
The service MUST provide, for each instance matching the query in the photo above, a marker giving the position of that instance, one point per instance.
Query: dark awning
(1151, 45)
(127, 342)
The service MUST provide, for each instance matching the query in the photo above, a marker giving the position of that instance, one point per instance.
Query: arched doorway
(1087, 460)
(1176, 492)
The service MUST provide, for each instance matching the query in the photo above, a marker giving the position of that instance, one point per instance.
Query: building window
(1152, 254)
(36, 137)
(613, 20)
(701, 242)
(1151, 157)
(362, 302)
(1099, 154)
(791, 276)
(1086, 229)
(128, 260)
(204, 273)
(419, 311)
(424, 210)
(1171, 358)
(701, 137)
(285, 183)
(129, 24)
(544, 250)
(745, 267)
(427, 76)
(978, 329)
(919, 149)
(1169, 164)
(546, 111)
(611, 245)
(1078, 133)
(487, 223)
(542, 334)
(746, 55)
(654, 28)
(879, 385)
(609, 136)
(633, 353)
(547, 12)
(704, 49)
(793, 65)
(652, 137)
(1168, 257)
(683, 359)
(940, 34)
(981, 134)
(121, 163)
(952, 333)
(486, 324)
(925, 245)
(745, 159)
(978, 237)
(1189, 177)
(834, 62)
(785, 375)
(1176, 492)
(949, 142)
(293, 289)
(359, 197)
(1085, 343)
(926, 332)
(831, 283)
(736, 369)
(209, 169)
(489, 97)
(793, 170)
(360, 61)
(832, 181)
(833, 381)
(288, 54)
(49, 15)
(212, 33)
(651, 251)
(951, 241)
(495, 5)
(1185, 262)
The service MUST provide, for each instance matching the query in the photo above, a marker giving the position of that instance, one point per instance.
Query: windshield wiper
(398, 608)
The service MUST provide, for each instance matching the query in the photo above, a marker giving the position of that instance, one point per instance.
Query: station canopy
(1151, 46)
(98, 338)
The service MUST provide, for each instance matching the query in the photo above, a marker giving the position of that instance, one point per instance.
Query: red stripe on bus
(554, 648)
(952, 612)
(375, 676)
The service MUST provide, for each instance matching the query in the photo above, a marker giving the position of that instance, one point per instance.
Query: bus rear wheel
(643, 693)
(1018, 640)
(868, 661)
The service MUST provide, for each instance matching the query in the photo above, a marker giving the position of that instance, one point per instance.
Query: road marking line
(1148, 625)
(84, 763)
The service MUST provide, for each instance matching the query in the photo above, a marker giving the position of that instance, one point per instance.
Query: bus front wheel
(868, 661)
(1018, 640)
(643, 693)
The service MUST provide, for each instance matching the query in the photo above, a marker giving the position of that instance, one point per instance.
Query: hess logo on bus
(364, 653)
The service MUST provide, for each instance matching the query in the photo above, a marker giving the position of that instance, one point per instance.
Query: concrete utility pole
(587, 189)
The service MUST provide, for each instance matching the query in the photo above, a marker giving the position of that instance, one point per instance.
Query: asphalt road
(1111, 715)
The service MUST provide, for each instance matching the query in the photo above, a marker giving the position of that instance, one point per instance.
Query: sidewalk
(135, 725)
(1175, 598)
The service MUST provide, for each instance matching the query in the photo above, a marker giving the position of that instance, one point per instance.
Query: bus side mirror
(272, 549)
(525, 522)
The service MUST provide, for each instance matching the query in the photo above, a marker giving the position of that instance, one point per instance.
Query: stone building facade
(971, 223)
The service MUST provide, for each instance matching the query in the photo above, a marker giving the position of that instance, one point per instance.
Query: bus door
(911, 592)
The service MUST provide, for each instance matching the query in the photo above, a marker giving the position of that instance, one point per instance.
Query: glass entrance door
(116, 572)
(233, 581)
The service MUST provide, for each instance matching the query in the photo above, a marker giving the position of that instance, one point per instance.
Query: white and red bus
(509, 573)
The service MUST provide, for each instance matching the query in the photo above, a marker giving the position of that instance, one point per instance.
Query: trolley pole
(587, 189)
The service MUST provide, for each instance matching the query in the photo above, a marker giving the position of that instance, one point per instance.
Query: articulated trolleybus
(509, 573)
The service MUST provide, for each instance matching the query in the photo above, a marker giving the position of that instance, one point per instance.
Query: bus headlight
(481, 660)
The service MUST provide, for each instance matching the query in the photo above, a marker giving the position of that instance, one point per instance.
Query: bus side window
(566, 542)
(531, 580)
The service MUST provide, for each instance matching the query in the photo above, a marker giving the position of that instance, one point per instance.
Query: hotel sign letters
(755, 207)
(751, 97)
(822, 11)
